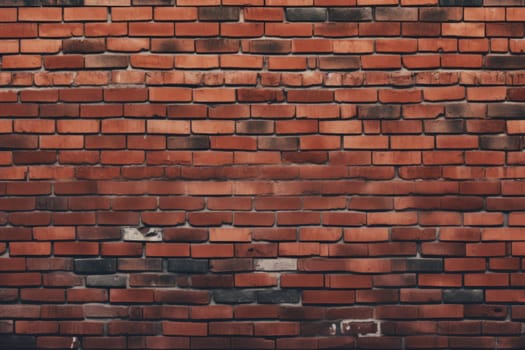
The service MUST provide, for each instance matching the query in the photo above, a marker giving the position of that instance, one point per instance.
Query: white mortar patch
(148, 234)
(275, 264)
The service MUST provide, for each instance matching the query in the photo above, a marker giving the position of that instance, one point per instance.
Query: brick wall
(279, 174)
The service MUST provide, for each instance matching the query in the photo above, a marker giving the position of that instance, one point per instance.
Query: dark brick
(500, 110)
(18, 141)
(463, 296)
(349, 14)
(188, 265)
(516, 94)
(305, 157)
(8, 295)
(395, 14)
(34, 157)
(51, 203)
(231, 265)
(192, 142)
(233, 296)
(259, 95)
(356, 328)
(107, 281)
(106, 61)
(306, 14)
(172, 45)
(17, 342)
(20, 3)
(270, 46)
(436, 14)
(301, 313)
(153, 280)
(278, 143)
(95, 266)
(313, 329)
(217, 45)
(219, 13)
(139, 264)
(339, 63)
(500, 142)
(465, 110)
(255, 127)
(88, 233)
(486, 311)
(83, 45)
(455, 126)
(462, 3)
(278, 296)
(504, 62)
(424, 265)
(185, 234)
(6, 326)
(379, 112)
(507, 30)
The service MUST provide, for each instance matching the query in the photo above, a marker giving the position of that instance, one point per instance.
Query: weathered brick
(500, 142)
(463, 296)
(424, 265)
(107, 281)
(499, 110)
(219, 13)
(95, 266)
(83, 46)
(503, 62)
(379, 112)
(349, 14)
(278, 296)
(13, 341)
(233, 296)
(188, 265)
(305, 14)
(270, 46)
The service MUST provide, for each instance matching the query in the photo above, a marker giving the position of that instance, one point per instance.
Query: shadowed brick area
(262, 174)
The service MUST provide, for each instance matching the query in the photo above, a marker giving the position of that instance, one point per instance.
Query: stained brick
(188, 265)
(233, 296)
(218, 13)
(350, 14)
(95, 266)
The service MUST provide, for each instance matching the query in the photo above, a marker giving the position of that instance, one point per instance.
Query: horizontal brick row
(270, 3)
(310, 15)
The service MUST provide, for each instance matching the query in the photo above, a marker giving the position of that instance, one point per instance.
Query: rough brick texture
(250, 174)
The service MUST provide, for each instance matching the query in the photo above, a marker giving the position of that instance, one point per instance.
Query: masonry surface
(262, 174)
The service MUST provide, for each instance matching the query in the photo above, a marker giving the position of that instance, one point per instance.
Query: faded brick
(306, 14)
(349, 14)
(95, 266)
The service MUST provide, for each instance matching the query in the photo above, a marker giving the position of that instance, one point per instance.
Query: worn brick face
(279, 174)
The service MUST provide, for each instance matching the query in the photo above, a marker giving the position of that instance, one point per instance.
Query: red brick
(18, 30)
(85, 14)
(131, 296)
(185, 328)
(21, 62)
(131, 14)
(76, 248)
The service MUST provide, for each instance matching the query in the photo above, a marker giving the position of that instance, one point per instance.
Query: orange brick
(85, 14)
